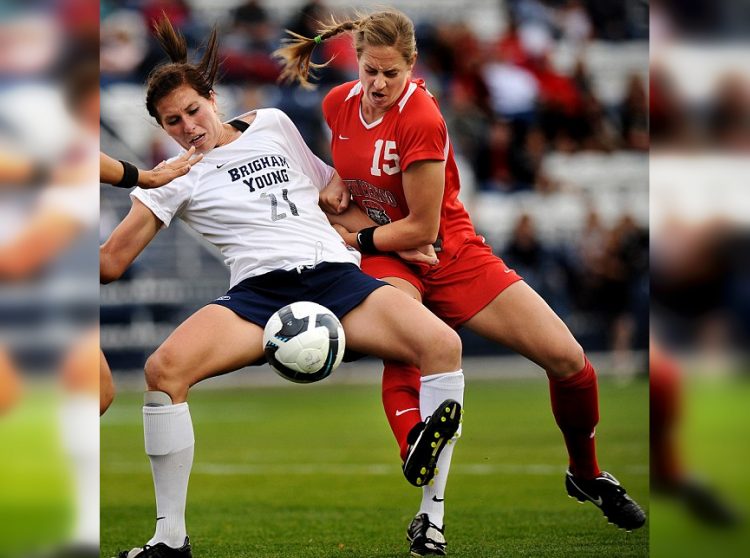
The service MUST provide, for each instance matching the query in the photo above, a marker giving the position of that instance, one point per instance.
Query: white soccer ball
(304, 342)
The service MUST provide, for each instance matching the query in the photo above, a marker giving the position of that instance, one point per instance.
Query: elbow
(108, 269)
(426, 235)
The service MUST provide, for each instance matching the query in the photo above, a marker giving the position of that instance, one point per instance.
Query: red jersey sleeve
(332, 103)
(423, 134)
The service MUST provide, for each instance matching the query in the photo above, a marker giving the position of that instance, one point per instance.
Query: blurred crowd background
(546, 105)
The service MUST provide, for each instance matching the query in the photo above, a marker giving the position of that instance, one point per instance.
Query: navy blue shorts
(340, 287)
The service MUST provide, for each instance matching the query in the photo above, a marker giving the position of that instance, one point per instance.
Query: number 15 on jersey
(389, 154)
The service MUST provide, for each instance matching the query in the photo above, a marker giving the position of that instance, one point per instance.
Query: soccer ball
(304, 342)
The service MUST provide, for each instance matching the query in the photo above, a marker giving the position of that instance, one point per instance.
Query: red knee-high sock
(664, 399)
(575, 405)
(401, 384)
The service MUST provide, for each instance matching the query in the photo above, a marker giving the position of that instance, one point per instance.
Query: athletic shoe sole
(420, 465)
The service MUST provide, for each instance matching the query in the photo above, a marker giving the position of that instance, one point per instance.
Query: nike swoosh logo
(436, 499)
(221, 165)
(163, 517)
(343, 137)
(598, 501)
(400, 412)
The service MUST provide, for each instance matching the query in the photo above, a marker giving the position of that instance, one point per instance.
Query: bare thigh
(211, 342)
(520, 319)
(391, 325)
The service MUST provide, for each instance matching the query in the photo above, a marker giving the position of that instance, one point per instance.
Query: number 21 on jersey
(389, 154)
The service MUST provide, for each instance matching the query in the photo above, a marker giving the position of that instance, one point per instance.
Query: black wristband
(366, 241)
(129, 175)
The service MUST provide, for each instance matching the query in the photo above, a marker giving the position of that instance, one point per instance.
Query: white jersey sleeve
(319, 173)
(170, 200)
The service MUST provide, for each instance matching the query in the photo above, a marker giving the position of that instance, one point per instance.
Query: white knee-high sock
(436, 389)
(79, 425)
(168, 433)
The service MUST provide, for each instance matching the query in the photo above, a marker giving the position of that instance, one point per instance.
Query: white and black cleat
(159, 550)
(425, 538)
(606, 493)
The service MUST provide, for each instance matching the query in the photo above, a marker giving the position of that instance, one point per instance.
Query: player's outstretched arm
(122, 173)
(128, 240)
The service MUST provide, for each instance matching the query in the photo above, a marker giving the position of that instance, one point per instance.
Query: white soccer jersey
(256, 199)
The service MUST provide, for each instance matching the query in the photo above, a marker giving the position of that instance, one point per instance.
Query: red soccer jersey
(370, 157)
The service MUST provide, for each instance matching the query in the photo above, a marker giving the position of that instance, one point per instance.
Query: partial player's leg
(521, 320)
(10, 382)
(212, 341)
(392, 325)
(79, 425)
(401, 384)
(106, 385)
(401, 390)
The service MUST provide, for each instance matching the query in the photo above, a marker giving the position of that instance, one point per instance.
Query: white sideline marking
(376, 469)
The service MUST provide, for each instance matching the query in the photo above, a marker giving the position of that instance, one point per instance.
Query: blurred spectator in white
(30, 43)
(513, 90)
(124, 44)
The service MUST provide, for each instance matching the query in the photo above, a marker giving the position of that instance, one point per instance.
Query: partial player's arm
(43, 238)
(353, 219)
(122, 173)
(128, 240)
(17, 169)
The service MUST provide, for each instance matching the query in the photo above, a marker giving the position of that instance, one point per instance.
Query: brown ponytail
(387, 28)
(167, 77)
(297, 50)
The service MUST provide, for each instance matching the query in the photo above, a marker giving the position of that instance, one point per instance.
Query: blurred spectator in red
(178, 12)
(669, 118)
(493, 158)
(633, 112)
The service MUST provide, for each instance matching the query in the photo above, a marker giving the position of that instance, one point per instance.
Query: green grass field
(312, 471)
(35, 506)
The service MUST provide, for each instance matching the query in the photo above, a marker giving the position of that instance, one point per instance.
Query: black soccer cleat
(159, 550)
(427, 440)
(426, 538)
(607, 494)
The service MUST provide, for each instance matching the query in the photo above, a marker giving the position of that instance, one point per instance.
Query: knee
(163, 373)
(566, 360)
(443, 351)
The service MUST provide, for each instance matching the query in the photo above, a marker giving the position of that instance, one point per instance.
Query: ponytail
(297, 50)
(166, 78)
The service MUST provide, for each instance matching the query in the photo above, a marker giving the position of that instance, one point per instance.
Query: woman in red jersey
(390, 146)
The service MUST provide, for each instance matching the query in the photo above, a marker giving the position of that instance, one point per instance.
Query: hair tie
(318, 39)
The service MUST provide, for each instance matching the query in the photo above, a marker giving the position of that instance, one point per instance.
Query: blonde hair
(165, 78)
(389, 28)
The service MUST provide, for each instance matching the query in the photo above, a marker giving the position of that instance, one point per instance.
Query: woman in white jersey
(254, 195)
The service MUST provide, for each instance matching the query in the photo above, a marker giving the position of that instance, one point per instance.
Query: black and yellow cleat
(428, 439)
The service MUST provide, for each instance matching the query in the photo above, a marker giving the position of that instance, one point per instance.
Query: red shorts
(458, 287)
